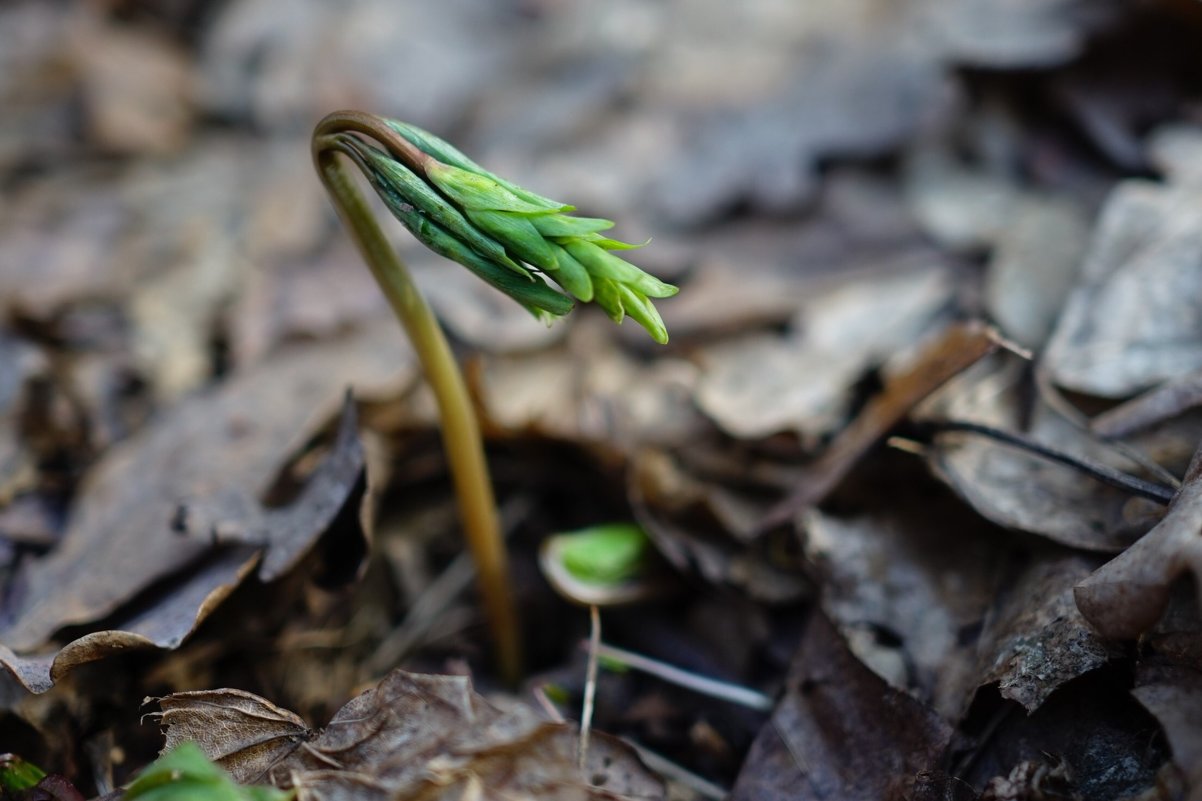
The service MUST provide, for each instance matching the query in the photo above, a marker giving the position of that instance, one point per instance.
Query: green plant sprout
(186, 774)
(604, 565)
(509, 236)
(18, 775)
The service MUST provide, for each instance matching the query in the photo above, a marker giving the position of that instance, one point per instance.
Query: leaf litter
(849, 475)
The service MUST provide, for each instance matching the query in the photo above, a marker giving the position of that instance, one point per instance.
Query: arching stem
(460, 429)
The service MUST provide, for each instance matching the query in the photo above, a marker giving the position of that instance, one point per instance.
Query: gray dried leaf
(856, 100)
(901, 594)
(1132, 321)
(1033, 266)
(1004, 35)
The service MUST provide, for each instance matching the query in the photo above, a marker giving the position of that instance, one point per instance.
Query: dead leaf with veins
(411, 737)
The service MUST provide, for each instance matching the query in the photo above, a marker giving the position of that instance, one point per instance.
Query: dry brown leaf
(1126, 596)
(243, 733)
(411, 737)
(761, 385)
(591, 391)
(172, 501)
(839, 731)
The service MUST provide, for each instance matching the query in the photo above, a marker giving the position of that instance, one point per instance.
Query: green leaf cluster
(509, 235)
(186, 774)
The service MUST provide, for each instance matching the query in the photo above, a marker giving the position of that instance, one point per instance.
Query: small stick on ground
(590, 683)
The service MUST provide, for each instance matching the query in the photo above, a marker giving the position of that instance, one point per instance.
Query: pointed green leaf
(601, 262)
(477, 192)
(572, 276)
(529, 290)
(643, 312)
(519, 235)
(613, 244)
(609, 298)
(386, 172)
(565, 225)
(16, 774)
(605, 554)
(447, 153)
(186, 774)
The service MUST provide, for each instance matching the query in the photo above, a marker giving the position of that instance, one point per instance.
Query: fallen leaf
(245, 734)
(137, 87)
(1157, 405)
(1097, 750)
(1033, 267)
(1126, 596)
(857, 98)
(940, 359)
(903, 583)
(412, 736)
(1173, 695)
(1130, 322)
(761, 385)
(840, 731)
(1021, 490)
(1001, 35)
(182, 500)
(1034, 639)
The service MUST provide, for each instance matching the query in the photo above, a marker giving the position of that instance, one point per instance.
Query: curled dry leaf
(1126, 596)
(410, 737)
(182, 500)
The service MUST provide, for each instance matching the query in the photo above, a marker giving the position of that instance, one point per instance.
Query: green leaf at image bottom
(186, 774)
(16, 774)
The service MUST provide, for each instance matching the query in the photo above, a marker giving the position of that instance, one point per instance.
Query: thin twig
(677, 773)
(1051, 395)
(590, 683)
(714, 688)
(1099, 472)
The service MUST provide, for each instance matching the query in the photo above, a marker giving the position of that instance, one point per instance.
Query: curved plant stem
(460, 429)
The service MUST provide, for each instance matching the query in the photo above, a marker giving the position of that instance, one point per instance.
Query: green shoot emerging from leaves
(508, 235)
(186, 774)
